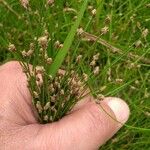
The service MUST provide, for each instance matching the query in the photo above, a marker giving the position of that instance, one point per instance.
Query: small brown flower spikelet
(145, 33)
(39, 106)
(119, 80)
(49, 61)
(78, 58)
(24, 53)
(80, 31)
(24, 3)
(100, 96)
(85, 77)
(56, 44)
(35, 94)
(103, 88)
(11, 47)
(138, 44)
(62, 92)
(45, 118)
(43, 41)
(104, 30)
(96, 70)
(61, 46)
(107, 19)
(50, 2)
(93, 12)
(30, 52)
(93, 63)
(32, 46)
(47, 106)
(96, 57)
(40, 70)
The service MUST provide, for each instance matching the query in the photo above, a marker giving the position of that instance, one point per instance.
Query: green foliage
(126, 21)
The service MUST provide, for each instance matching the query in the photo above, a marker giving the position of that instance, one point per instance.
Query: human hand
(86, 128)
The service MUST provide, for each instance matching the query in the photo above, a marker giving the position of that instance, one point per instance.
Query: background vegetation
(123, 28)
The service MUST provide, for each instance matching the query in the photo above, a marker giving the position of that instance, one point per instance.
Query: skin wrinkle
(30, 111)
(17, 109)
(19, 139)
(46, 136)
(83, 117)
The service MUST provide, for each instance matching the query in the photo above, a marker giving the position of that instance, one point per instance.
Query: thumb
(86, 128)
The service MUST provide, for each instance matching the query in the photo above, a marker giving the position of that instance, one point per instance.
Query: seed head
(137, 82)
(43, 41)
(100, 96)
(46, 33)
(47, 106)
(32, 46)
(93, 63)
(40, 70)
(96, 57)
(138, 44)
(80, 31)
(85, 77)
(30, 52)
(53, 98)
(96, 70)
(93, 12)
(24, 53)
(90, 7)
(50, 2)
(49, 61)
(104, 30)
(119, 80)
(103, 88)
(24, 3)
(35, 94)
(56, 44)
(39, 106)
(41, 50)
(62, 92)
(61, 46)
(12, 48)
(107, 19)
(45, 118)
(78, 58)
(145, 33)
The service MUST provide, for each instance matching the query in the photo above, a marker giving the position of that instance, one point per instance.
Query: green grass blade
(68, 41)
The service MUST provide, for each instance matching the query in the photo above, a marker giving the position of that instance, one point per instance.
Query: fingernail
(119, 107)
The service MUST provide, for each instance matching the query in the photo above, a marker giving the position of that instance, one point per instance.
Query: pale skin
(87, 127)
